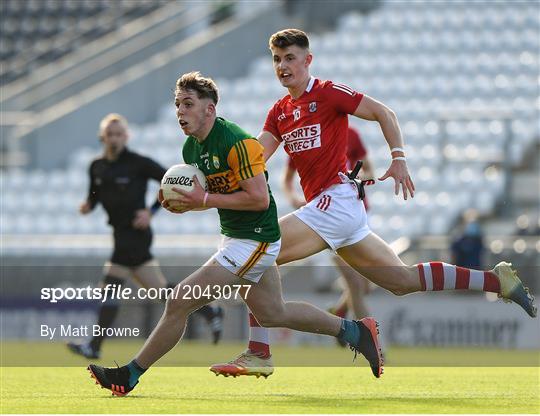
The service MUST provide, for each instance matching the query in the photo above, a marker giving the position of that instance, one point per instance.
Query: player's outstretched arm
(370, 109)
(269, 142)
(373, 110)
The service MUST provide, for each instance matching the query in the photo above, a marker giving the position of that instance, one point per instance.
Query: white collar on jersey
(310, 84)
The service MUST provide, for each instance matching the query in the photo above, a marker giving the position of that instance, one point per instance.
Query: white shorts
(248, 259)
(337, 216)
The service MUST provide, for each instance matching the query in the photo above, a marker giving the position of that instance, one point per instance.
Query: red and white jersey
(355, 151)
(313, 128)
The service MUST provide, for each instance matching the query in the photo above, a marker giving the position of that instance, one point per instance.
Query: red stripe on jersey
(462, 278)
(437, 272)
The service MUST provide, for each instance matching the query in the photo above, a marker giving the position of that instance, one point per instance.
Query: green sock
(349, 332)
(135, 371)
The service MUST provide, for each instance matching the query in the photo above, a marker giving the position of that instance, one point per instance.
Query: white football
(181, 177)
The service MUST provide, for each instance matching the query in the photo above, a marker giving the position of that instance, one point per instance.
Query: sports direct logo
(303, 138)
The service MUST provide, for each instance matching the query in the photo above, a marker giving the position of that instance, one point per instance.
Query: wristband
(399, 158)
(397, 149)
(204, 200)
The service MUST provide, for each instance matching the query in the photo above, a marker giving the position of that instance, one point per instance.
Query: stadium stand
(37, 32)
(479, 58)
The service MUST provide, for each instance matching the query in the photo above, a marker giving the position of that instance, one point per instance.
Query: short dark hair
(288, 37)
(204, 87)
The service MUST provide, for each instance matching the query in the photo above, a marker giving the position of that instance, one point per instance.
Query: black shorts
(131, 246)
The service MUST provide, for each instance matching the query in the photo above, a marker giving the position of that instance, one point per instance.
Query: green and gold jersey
(227, 156)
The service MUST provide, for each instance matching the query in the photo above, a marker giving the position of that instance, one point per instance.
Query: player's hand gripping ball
(181, 177)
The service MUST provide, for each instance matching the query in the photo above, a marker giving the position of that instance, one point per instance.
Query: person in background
(468, 247)
(118, 180)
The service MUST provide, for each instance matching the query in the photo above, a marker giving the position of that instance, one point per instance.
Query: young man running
(311, 122)
(118, 181)
(234, 166)
(354, 287)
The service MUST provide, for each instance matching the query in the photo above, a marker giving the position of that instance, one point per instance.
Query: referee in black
(118, 180)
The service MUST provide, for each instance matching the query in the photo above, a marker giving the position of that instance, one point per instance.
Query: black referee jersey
(120, 186)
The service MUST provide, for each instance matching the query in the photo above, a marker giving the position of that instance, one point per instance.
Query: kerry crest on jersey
(228, 156)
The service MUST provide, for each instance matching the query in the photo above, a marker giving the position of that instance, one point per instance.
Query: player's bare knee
(399, 290)
(173, 305)
(177, 302)
(286, 255)
(269, 322)
(405, 282)
(281, 258)
(264, 320)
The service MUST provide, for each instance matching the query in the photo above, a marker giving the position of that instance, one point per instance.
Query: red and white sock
(258, 338)
(442, 276)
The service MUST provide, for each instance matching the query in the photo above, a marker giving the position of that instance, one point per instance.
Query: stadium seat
(420, 58)
(36, 28)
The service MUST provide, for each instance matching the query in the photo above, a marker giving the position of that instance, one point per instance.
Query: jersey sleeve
(93, 197)
(152, 169)
(246, 159)
(343, 98)
(270, 125)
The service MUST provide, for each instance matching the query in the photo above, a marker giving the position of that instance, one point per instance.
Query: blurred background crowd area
(462, 77)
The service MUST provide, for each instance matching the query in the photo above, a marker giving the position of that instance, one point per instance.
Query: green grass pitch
(184, 384)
